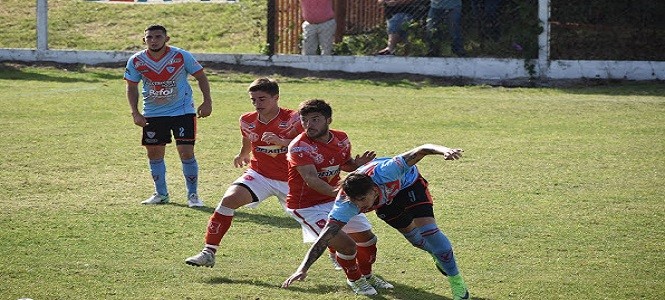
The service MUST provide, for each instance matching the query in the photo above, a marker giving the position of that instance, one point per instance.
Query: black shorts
(412, 202)
(159, 130)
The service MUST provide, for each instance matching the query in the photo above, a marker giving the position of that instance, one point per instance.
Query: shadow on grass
(400, 292)
(283, 221)
(319, 289)
(18, 72)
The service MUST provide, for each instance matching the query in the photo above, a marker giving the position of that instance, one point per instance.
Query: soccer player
(399, 194)
(266, 133)
(168, 108)
(316, 158)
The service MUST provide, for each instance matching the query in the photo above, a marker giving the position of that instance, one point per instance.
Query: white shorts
(263, 187)
(313, 219)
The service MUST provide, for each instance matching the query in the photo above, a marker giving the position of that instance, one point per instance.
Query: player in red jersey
(266, 132)
(316, 157)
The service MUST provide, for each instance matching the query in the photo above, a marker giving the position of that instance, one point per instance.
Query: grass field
(559, 195)
(89, 25)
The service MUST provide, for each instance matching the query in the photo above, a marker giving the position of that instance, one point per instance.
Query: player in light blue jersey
(399, 194)
(168, 108)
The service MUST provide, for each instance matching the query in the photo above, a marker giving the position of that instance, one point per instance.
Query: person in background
(319, 26)
(394, 187)
(266, 133)
(448, 12)
(398, 14)
(168, 108)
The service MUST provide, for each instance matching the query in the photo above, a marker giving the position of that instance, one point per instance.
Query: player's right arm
(133, 99)
(330, 231)
(311, 178)
(244, 156)
(414, 155)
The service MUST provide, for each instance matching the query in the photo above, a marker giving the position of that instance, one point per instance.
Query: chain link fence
(580, 30)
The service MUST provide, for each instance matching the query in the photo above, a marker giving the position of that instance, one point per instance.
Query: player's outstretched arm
(327, 233)
(414, 155)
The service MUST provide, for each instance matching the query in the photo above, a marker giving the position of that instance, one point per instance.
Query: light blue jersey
(166, 90)
(391, 175)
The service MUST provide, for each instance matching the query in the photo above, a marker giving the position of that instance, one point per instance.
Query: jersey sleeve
(131, 74)
(343, 210)
(300, 154)
(389, 170)
(191, 64)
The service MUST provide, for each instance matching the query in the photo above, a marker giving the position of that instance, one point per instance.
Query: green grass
(559, 195)
(86, 25)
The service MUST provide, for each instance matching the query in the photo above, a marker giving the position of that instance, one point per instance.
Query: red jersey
(267, 159)
(326, 157)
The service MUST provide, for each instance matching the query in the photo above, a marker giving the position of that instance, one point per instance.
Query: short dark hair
(357, 185)
(314, 106)
(264, 84)
(156, 27)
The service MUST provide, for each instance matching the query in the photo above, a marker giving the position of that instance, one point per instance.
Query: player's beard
(318, 134)
(158, 49)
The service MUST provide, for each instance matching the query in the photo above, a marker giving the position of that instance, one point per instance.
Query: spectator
(318, 27)
(440, 12)
(486, 14)
(398, 14)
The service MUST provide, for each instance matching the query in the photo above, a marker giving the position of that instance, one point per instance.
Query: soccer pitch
(559, 195)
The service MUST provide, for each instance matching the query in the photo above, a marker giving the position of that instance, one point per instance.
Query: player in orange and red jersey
(168, 108)
(266, 133)
(316, 157)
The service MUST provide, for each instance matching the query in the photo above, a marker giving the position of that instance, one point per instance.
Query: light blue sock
(190, 169)
(415, 238)
(158, 171)
(439, 246)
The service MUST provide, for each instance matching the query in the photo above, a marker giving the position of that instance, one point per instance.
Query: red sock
(350, 266)
(366, 257)
(218, 225)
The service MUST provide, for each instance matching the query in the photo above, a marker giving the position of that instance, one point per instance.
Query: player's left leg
(439, 246)
(359, 229)
(412, 214)
(184, 131)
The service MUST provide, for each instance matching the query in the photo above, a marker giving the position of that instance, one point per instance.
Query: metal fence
(590, 30)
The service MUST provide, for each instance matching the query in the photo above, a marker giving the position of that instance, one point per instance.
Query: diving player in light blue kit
(399, 194)
(168, 108)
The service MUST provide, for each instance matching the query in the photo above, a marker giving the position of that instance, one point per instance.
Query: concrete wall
(482, 69)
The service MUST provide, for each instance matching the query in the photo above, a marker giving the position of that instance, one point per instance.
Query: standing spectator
(316, 157)
(398, 14)
(486, 14)
(168, 108)
(318, 29)
(266, 132)
(397, 191)
(450, 13)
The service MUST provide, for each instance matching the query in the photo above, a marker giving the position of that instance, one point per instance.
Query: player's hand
(298, 275)
(205, 109)
(139, 120)
(453, 154)
(272, 138)
(365, 158)
(240, 161)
